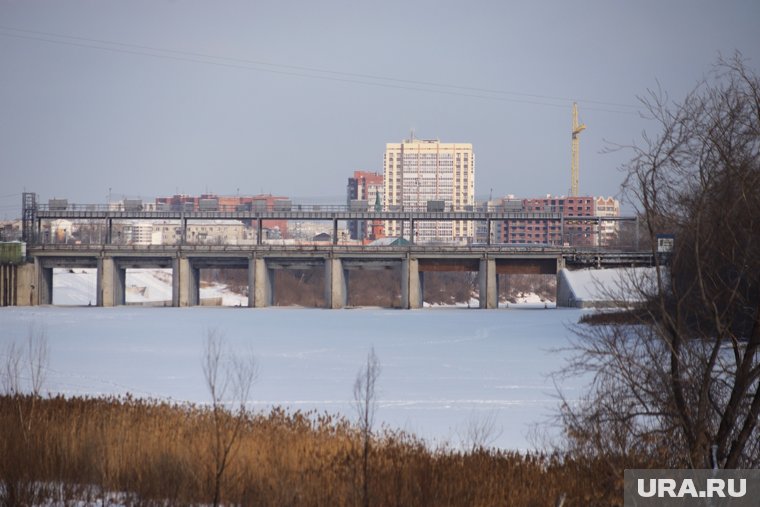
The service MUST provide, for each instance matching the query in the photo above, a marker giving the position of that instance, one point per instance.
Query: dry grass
(633, 316)
(157, 453)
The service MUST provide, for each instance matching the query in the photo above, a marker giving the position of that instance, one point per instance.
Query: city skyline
(185, 97)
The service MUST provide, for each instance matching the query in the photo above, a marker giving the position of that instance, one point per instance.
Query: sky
(142, 98)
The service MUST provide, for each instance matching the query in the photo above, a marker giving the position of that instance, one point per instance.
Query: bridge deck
(311, 214)
(571, 255)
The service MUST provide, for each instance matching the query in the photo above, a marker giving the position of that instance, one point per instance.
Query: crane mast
(577, 129)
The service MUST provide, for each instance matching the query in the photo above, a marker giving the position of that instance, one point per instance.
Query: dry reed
(155, 453)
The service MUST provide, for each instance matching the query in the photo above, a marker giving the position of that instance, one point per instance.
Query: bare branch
(688, 374)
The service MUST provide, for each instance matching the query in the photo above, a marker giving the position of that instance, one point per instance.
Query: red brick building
(569, 231)
(364, 187)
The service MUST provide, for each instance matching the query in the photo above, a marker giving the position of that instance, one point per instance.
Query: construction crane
(577, 129)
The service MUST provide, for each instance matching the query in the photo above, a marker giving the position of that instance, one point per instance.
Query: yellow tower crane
(577, 129)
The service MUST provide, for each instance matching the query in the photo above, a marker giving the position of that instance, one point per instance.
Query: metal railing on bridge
(110, 223)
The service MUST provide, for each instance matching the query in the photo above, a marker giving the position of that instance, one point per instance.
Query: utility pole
(577, 129)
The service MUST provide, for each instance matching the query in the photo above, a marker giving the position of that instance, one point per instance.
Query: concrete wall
(336, 284)
(44, 282)
(262, 292)
(21, 284)
(412, 284)
(8, 284)
(251, 282)
(565, 295)
(26, 288)
(189, 283)
(17, 287)
(603, 288)
(488, 284)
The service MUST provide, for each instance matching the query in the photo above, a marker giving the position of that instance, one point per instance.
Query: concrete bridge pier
(251, 280)
(263, 288)
(8, 285)
(175, 281)
(44, 283)
(412, 284)
(336, 283)
(119, 284)
(18, 284)
(104, 287)
(111, 283)
(488, 282)
(189, 282)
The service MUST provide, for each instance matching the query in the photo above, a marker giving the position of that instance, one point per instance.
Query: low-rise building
(10, 230)
(203, 232)
(213, 202)
(364, 189)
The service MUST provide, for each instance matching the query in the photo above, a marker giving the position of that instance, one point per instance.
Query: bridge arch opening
(449, 282)
(69, 286)
(209, 280)
(223, 286)
(526, 282)
(148, 286)
(373, 284)
(299, 286)
(526, 289)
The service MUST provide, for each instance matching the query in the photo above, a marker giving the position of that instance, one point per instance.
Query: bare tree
(681, 382)
(225, 376)
(12, 369)
(365, 402)
(37, 355)
(480, 432)
(34, 356)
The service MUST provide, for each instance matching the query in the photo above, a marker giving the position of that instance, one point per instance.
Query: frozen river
(442, 369)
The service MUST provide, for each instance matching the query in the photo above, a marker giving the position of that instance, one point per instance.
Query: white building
(142, 233)
(60, 231)
(425, 174)
(203, 232)
(610, 229)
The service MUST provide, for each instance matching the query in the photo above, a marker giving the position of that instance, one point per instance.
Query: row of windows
(425, 156)
(429, 175)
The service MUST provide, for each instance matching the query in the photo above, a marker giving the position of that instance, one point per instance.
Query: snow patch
(78, 287)
(604, 287)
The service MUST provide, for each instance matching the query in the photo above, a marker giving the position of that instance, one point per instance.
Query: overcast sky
(151, 97)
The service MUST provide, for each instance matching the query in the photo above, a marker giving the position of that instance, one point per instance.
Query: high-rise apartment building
(363, 189)
(424, 174)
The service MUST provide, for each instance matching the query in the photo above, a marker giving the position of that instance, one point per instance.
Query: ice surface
(441, 368)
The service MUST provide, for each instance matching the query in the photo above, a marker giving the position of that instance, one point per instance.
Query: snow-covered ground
(523, 300)
(78, 287)
(606, 287)
(442, 369)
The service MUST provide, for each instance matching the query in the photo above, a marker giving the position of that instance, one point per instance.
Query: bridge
(33, 281)
(30, 281)
(34, 214)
